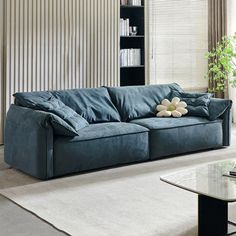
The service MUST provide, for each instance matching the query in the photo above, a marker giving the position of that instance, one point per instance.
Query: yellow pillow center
(171, 108)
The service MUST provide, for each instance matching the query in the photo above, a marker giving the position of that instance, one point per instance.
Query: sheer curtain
(217, 23)
(178, 42)
(231, 28)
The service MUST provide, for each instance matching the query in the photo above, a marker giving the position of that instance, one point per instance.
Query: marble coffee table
(214, 191)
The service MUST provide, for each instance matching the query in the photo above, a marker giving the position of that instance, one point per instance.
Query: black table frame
(213, 217)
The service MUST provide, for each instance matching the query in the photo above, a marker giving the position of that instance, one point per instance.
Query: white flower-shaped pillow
(175, 108)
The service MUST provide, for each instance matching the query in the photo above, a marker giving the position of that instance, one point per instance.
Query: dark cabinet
(133, 73)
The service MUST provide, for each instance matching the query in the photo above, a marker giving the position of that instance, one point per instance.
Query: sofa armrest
(28, 141)
(221, 109)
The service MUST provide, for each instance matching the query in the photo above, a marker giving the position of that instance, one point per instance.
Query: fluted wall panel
(1, 71)
(61, 44)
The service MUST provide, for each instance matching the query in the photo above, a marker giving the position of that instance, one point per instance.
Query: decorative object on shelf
(130, 57)
(222, 66)
(133, 30)
(123, 2)
(175, 108)
(124, 27)
(134, 2)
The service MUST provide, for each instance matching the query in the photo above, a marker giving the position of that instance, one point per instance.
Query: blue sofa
(116, 126)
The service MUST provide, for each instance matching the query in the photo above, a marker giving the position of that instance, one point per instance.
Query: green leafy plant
(221, 66)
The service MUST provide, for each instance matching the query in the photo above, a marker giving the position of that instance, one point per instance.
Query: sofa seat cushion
(105, 130)
(170, 122)
(101, 145)
(169, 136)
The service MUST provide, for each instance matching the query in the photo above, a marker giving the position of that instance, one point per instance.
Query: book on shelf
(124, 27)
(130, 57)
(134, 2)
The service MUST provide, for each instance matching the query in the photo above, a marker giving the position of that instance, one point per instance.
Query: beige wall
(231, 20)
(1, 72)
(60, 44)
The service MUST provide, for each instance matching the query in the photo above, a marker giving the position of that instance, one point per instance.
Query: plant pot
(219, 94)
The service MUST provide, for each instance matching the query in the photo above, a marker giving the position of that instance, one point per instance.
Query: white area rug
(127, 201)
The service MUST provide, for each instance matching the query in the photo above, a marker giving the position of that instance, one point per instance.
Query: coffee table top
(206, 180)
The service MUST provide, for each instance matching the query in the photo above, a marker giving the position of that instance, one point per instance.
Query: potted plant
(222, 66)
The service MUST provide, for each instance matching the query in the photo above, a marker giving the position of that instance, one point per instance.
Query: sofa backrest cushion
(94, 105)
(31, 99)
(135, 102)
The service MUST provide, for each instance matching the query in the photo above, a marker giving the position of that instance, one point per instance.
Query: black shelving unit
(133, 75)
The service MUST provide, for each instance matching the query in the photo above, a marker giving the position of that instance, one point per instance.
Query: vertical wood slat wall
(60, 44)
(1, 71)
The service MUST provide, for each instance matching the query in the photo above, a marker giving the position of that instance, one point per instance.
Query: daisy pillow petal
(175, 108)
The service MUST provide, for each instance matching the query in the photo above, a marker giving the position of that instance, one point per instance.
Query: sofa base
(188, 134)
(73, 157)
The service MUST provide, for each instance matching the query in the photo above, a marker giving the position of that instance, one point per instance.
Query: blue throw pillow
(60, 127)
(58, 108)
(64, 120)
(218, 107)
(197, 102)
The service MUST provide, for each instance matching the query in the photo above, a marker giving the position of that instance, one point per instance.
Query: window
(178, 42)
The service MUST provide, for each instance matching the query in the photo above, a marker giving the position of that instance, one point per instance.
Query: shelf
(127, 67)
(133, 75)
(130, 6)
(133, 36)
